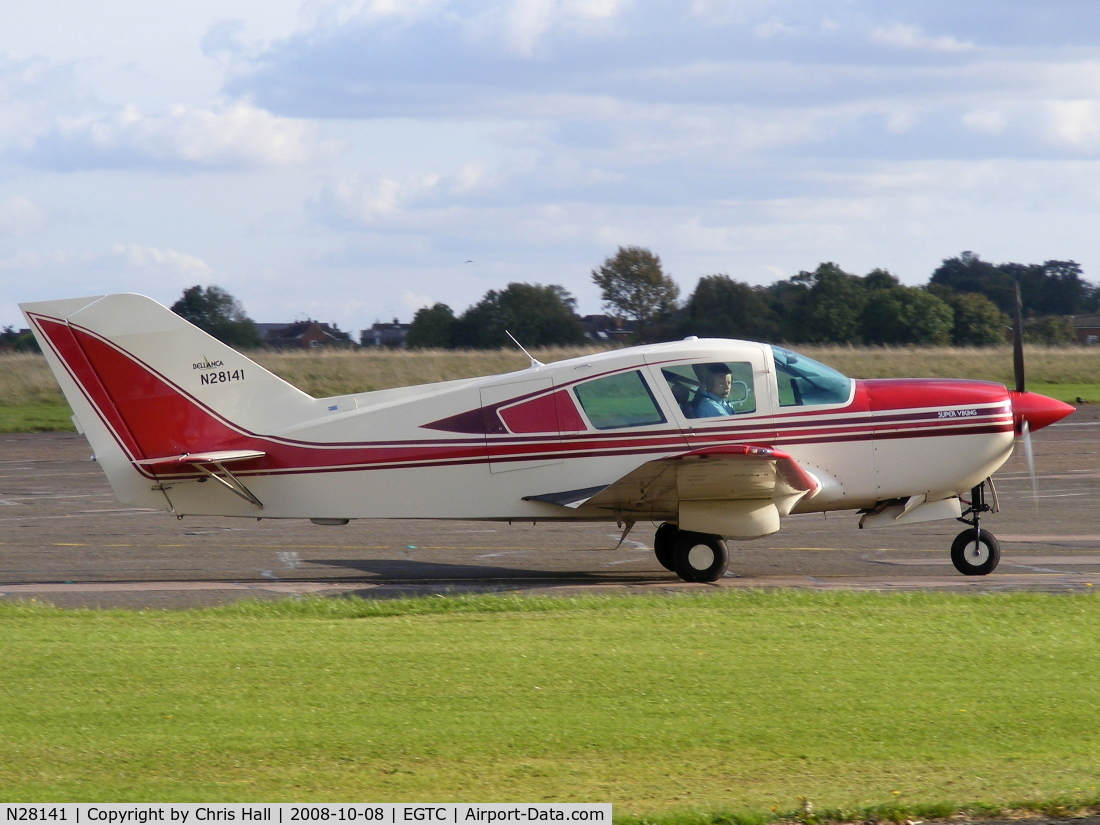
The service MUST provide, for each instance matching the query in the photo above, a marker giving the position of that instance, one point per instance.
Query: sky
(354, 160)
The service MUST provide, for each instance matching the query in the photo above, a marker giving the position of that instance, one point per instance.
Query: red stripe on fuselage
(151, 417)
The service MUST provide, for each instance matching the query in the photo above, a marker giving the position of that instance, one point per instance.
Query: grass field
(31, 401)
(735, 702)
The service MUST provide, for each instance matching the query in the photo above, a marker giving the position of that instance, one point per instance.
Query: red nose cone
(1037, 410)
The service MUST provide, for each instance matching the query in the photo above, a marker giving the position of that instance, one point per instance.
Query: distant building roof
(394, 335)
(303, 334)
(606, 328)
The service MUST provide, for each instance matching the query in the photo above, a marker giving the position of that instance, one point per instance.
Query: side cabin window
(622, 400)
(804, 382)
(712, 389)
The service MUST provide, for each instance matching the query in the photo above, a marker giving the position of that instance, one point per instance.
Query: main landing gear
(976, 552)
(694, 557)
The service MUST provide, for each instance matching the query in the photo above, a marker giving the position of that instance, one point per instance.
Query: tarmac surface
(65, 539)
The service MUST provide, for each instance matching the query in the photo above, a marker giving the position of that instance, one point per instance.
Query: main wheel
(700, 557)
(973, 555)
(664, 545)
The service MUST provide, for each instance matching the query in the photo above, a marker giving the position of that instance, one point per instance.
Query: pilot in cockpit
(712, 399)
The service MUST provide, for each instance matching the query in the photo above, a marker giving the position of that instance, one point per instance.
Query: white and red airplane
(710, 439)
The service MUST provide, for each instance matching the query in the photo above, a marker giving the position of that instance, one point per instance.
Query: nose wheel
(976, 552)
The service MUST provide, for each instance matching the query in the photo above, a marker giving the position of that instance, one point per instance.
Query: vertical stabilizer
(144, 384)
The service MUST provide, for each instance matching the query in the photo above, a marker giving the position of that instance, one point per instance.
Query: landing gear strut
(694, 557)
(976, 552)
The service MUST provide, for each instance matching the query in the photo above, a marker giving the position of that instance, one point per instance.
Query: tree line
(967, 302)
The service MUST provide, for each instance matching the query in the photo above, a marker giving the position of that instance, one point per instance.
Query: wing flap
(707, 485)
(726, 472)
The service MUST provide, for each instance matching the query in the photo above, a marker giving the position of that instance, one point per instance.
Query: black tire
(700, 557)
(973, 556)
(664, 545)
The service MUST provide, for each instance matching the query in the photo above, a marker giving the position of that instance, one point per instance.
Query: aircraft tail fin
(144, 385)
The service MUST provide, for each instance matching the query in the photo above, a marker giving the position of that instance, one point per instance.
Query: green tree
(1064, 291)
(978, 322)
(215, 311)
(906, 315)
(632, 283)
(969, 273)
(721, 307)
(432, 328)
(537, 315)
(824, 306)
(11, 339)
(878, 279)
(1050, 288)
(1052, 330)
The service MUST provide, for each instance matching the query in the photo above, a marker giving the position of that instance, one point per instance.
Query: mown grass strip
(36, 418)
(742, 702)
(1070, 393)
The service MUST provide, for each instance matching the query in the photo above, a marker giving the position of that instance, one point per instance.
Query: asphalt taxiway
(65, 539)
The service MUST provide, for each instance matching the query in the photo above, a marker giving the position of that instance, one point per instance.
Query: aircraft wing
(738, 490)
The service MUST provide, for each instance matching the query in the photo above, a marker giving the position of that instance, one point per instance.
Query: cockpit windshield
(805, 382)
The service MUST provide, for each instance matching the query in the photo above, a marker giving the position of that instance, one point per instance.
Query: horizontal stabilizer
(213, 457)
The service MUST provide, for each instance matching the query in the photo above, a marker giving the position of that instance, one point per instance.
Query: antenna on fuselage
(535, 362)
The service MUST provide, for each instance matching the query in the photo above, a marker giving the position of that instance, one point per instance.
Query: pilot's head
(719, 380)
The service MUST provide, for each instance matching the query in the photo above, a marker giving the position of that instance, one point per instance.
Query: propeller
(1018, 373)
(1029, 454)
(1018, 342)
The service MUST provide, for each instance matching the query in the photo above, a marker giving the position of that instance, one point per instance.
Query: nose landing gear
(976, 552)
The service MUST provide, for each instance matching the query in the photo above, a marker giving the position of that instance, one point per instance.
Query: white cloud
(334, 13)
(1074, 123)
(529, 21)
(226, 135)
(900, 121)
(131, 257)
(365, 199)
(18, 216)
(26, 260)
(985, 121)
(771, 28)
(169, 261)
(913, 37)
(49, 118)
(412, 301)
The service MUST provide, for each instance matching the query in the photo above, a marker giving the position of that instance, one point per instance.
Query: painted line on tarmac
(1040, 539)
(1053, 560)
(272, 546)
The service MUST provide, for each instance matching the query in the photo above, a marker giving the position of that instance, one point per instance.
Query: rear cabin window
(712, 389)
(622, 400)
(804, 382)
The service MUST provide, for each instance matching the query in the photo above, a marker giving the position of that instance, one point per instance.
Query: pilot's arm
(706, 405)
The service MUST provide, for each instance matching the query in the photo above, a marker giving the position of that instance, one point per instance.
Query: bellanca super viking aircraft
(707, 438)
